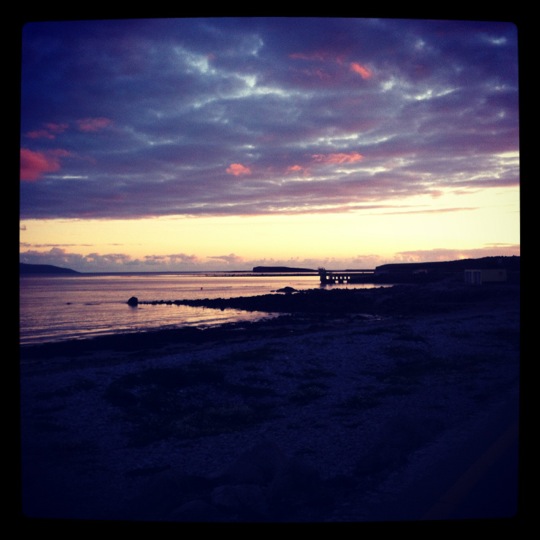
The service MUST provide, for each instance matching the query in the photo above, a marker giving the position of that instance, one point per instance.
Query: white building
(486, 275)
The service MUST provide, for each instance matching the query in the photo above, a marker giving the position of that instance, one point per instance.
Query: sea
(55, 308)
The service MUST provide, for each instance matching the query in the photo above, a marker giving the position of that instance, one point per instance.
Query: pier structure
(332, 277)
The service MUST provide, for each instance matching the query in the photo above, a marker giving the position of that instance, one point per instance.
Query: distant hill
(509, 263)
(280, 269)
(25, 268)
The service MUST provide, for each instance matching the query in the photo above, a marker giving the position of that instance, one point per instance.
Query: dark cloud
(224, 116)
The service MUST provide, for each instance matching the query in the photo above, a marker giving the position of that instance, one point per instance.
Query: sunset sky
(221, 144)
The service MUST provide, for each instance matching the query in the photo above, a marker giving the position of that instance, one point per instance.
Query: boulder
(287, 290)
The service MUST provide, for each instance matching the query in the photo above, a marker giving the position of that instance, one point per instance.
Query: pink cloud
(338, 158)
(363, 71)
(295, 168)
(40, 134)
(50, 131)
(322, 56)
(237, 169)
(35, 164)
(93, 124)
(56, 128)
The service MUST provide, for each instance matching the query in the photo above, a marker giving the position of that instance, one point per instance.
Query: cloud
(34, 165)
(169, 260)
(338, 158)
(41, 134)
(363, 71)
(193, 101)
(331, 59)
(49, 131)
(55, 256)
(90, 125)
(182, 258)
(230, 259)
(444, 254)
(93, 261)
(237, 169)
(111, 262)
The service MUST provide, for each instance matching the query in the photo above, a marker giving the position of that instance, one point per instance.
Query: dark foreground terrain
(384, 405)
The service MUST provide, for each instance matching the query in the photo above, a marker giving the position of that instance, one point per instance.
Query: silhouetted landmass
(281, 269)
(25, 268)
(406, 299)
(508, 263)
(423, 272)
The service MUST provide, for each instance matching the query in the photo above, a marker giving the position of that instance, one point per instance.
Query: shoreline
(315, 305)
(303, 418)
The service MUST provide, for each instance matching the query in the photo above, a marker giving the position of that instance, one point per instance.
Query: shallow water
(56, 308)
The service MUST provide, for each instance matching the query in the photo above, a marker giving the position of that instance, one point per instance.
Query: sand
(364, 414)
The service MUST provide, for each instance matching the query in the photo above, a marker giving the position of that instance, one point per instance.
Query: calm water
(56, 308)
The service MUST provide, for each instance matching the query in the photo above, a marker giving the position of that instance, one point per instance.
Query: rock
(133, 301)
(287, 290)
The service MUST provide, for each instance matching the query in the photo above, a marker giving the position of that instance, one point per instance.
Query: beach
(355, 406)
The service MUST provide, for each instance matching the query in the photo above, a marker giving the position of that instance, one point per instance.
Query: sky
(226, 143)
